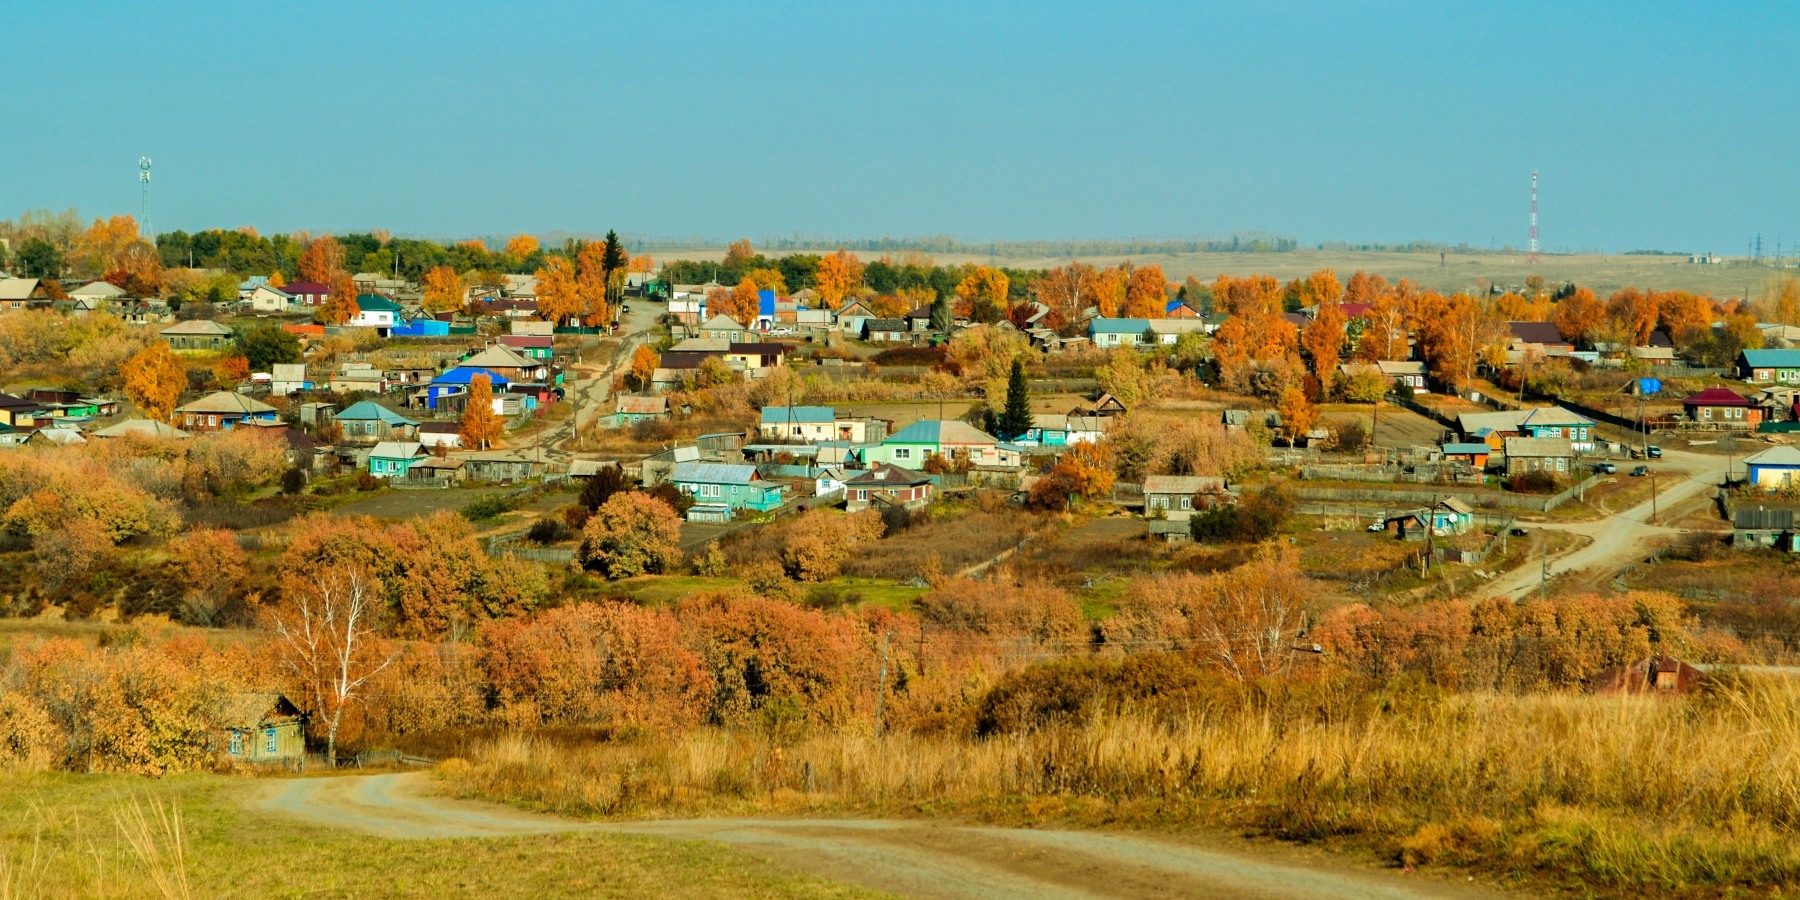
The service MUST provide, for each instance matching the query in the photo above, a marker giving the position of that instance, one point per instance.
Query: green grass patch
(664, 590)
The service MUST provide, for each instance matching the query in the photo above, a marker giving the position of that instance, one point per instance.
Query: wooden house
(261, 728)
(887, 485)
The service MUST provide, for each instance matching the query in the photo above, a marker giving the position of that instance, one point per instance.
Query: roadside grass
(120, 836)
(1599, 796)
(664, 590)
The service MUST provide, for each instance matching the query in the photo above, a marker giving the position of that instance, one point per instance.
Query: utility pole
(881, 684)
(1653, 497)
(1544, 579)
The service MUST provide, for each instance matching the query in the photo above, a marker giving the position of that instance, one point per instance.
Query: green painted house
(911, 446)
(394, 459)
(728, 487)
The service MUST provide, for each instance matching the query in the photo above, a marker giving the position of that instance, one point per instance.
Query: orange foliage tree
(1066, 290)
(1323, 339)
(642, 264)
(644, 361)
(1146, 293)
(1244, 621)
(323, 260)
(768, 280)
(231, 371)
(521, 246)
(340, 305)
(154, 378)
(743, 303)
(444, 290)
(838, 275)
(739, 251)
(593, 301)
(481, 426)
(1636, 313)
(984, 287)
(1298, 414)
(1255, 330)
(558, 296)
(1455, 333)
(631, 534)
(1578, 315)
(1384, 335)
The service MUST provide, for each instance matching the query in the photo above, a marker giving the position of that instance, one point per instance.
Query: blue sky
(1654, 125)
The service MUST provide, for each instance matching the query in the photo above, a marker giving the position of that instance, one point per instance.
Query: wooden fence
(1397, 499)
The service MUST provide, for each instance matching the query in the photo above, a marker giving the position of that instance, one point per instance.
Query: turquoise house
(726, 486)
(395, 459)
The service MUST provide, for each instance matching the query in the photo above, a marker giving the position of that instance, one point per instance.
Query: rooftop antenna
(144, 178)
(1534, 236)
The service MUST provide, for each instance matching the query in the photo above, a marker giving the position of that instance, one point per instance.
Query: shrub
(293, 481)
(1532, 483)
(548, 531)
(366, 481)
(631, 534)
(1258, 517)
(482, 509)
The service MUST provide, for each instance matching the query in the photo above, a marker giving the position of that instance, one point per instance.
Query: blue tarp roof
(765, 303)
(466, 375)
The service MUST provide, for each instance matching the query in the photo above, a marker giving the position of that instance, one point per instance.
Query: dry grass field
(1601, 272)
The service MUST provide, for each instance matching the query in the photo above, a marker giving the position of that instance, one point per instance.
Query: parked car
(1640, 471)
(1520, 531)
(782, 329)
(1606, 468)
(1653, 452)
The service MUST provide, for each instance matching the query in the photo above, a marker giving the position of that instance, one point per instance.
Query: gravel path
(909, 858)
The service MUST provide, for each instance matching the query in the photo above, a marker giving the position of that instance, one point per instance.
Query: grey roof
(398, 450)
(98, 289)
(17, 288)
(501, 356)
(288, 372)
(226, 403)
(203, 327)
(714, 473)
(147, 427)
(721, 323)
(1775, 456)
(1538, 447)
(1556, 415)
(1182, 484)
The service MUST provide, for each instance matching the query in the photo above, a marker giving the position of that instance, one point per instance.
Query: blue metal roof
(466, 375)
(1772, 359)
(799, 415)
(1119, 326)
(714, 473)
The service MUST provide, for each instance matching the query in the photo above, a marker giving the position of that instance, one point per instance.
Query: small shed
(1659, 674)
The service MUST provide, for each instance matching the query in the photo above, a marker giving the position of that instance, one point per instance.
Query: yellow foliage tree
(1147, 293)
(558, 296)
(154, 379)
(444, 290)
(522, 246)
(592, 298)
(481, 426)
(768, 280)
(340, 305)
(839, 274)
(984, 286)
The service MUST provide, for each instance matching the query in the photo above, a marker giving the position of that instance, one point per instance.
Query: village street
(1621, 539)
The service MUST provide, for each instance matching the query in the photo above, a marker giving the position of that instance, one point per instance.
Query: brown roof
(226, 403)
(631, 403)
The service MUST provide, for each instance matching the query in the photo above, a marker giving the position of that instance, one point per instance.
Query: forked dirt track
(915, 859)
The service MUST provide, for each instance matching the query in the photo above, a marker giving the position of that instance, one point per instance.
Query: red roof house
(1722, 406)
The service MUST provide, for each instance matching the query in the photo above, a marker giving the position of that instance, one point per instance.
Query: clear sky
(1654, 125)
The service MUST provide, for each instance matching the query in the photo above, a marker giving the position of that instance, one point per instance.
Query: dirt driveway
(908, 858)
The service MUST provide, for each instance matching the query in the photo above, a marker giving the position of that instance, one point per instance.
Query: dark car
(1520, 531)
(1606, 468)
(1640, 471)
(1653, 452)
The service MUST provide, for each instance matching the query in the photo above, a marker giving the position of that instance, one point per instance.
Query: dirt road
(914, 859)
(1620, 539)
(589, 395)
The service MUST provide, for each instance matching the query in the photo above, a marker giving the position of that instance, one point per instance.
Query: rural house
(1408, 372)
(264, 298)
(911, 446)
(23, 293)
(368, 422)
(1172, 496)
(307, 293)
(377, 312)
(441, 434)
(394, 459)
(535, 346)
(262, 728)
(1049, 430)
(502, 466)
(1765, 366)
(1449, 517)
(1119, 332)
(1774, 469)
(720, 489)
(1721, 407)
(887, 485)
(798, 423)
(223, 410)
(197, 335)
(725, 328)
(630, 409)
(889, 331)
(1539, 454)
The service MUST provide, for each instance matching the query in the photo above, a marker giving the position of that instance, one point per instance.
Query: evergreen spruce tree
(1015, 420)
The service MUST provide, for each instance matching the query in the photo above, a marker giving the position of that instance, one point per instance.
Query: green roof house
(723, 488)
(369, 422)
(911, 446)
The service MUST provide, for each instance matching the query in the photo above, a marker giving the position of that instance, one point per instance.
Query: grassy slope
(59, 837)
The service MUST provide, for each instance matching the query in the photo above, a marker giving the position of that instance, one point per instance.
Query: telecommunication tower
(1534, 216)
(144, 177)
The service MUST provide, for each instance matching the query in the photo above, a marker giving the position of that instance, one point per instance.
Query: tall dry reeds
(1663, 792)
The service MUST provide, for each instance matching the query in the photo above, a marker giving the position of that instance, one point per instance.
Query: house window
(903, 453)
(237, 742)
(268, 740)
(862, 494)
(709, 490)
(1187, 503)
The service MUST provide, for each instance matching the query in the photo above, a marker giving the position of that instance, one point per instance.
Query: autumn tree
(340, 305)
(1066, 290)
(1363, 288)
(631, 534)
(1085, 470)
(1636, 312)
(744, 303)
(641, 264)
(1323, 340)
(768, 280)
(326, 630)
(323, 260)
(1146, 293)
(231, 370)
(839, 274)
(821, 539)
(1578, 315)
(1319, 288)
(521, 246)
(738, 253)
(444, 290)
(1255, 330)
(1683, 313)
(1456, 333)
(211, 567)
(983, 293)
(154, 379)
(1244, 621)
(481, 426)
(644, 362)
(558, 295)
(102, 247)
(593, 296)
(1298, 414)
